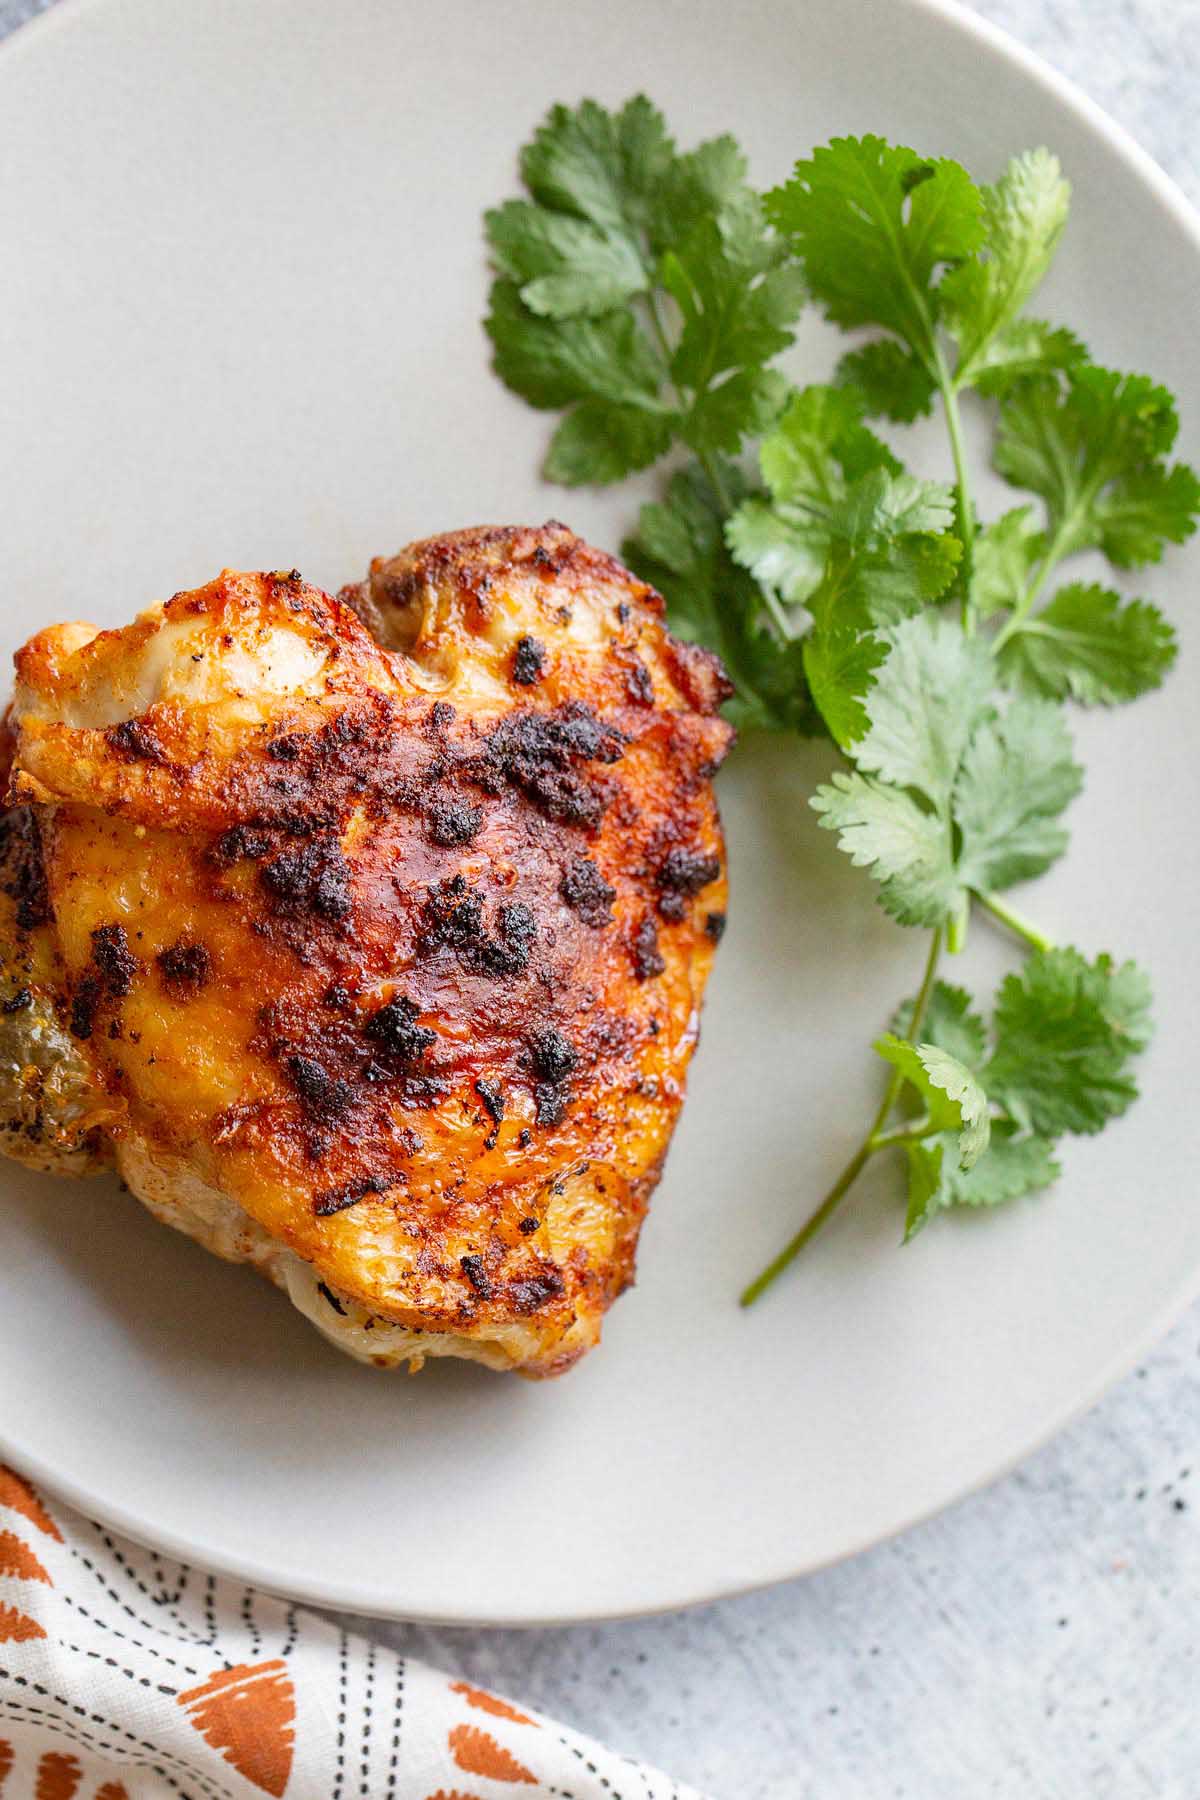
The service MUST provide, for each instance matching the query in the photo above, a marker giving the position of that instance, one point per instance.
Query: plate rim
(953, 15)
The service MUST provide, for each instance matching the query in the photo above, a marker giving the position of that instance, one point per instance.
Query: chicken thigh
(367, 936)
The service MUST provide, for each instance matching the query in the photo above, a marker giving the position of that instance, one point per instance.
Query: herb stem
(779, 619)
(810, 1228)
(1057, 548)
(902, 1134)
(660, 330)
(712, 469)
(875, 1139)
(1008, 915)
(962, 483)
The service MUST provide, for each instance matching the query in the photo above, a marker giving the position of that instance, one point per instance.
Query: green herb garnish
(645, 293)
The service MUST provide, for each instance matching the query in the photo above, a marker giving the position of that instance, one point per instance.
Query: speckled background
(1040, 1640)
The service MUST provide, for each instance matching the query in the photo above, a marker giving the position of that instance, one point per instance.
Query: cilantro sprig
(644, 292)
(618, 225)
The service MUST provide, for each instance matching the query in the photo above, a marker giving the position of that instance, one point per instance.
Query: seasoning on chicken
(368, 935)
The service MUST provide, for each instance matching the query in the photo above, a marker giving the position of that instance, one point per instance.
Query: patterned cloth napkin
(125, 1676)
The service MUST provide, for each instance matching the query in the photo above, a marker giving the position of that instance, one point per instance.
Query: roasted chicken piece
(367, 936)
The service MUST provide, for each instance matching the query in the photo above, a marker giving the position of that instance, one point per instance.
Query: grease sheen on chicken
(367, 936)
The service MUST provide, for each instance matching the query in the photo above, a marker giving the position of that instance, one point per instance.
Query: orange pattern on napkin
(18, 1559)
(15, 1628)
(479, 1754)
(58, 1777)
(247, 1713)
(20, 1496)
(488, 1703)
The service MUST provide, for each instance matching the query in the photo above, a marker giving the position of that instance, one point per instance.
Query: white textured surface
(1039, 1639)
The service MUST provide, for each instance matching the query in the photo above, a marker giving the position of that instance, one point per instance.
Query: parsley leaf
(1089, 644)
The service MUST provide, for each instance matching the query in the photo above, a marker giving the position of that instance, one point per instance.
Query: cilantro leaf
(950, 1023)
(784, 550)
(931, 693)
(893, 383)
(1090, 644)
(1006, 554)
(964, 799)
(1017, 776)
(1011, 1167)
(599, 441)
(563, 266)
(1066, 1031)
(954, 1099)
(1026, 347)
(644, 294)
(709, 181)
(680, 549)
(872, 222)
(872, 579)
(736, 309)
(819, 445)
(1095, 452)
(617, 222)
(885, 503)
(743, 404)
(851, 536)
(1023, 217)
(600, 166)
(906, 847)
(925, 1185)
(893, 577)
(840, 663)
(554, 362)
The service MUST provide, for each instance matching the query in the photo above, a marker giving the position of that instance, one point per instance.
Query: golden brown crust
(403, 949)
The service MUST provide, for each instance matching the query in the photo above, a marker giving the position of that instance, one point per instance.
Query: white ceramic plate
(243, 282)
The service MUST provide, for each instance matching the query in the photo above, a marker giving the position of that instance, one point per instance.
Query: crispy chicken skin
(368, 935)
